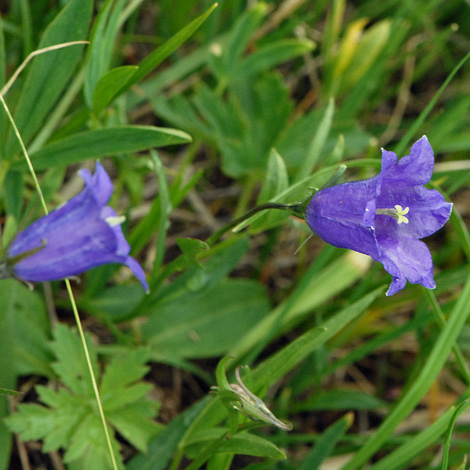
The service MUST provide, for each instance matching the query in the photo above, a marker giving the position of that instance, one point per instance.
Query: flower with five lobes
(81, 234)
(386, 216)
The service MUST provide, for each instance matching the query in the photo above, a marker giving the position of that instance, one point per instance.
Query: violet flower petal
(78, 236)
(362, 215)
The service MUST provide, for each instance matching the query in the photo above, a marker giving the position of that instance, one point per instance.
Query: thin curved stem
(296, 209)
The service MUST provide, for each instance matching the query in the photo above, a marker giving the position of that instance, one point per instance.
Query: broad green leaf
(115, 303)
(32, 354)
(163, 446)
(197, 282)
(23, 348)
(50, 72)
(242, 443)
(9, 295)
(103, 142)
(88, 446)
(245, 443)
(206, 325)
(68, 349)
(70, 419)
(109, 85)
(123, 370)
(135, 422)
(190, 248)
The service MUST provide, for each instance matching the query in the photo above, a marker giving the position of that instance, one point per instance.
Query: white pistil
(113, 221)
(397, 213)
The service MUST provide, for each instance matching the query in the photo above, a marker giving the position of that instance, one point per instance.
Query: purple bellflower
(386, 216)
(79, 235)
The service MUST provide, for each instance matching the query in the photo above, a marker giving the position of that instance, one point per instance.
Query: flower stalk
(297, 209)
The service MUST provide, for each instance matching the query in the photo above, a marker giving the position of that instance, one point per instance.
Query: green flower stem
(297, 209)
(69, 290)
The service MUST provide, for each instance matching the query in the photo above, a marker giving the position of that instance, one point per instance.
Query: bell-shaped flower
(77, 236)
(385, 217)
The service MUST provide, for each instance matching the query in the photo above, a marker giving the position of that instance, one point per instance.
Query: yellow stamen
(397, 213)
(401, 214)
(116, 220)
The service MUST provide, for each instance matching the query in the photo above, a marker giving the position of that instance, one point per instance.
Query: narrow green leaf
(327, 442)
(50, 72)
(144, 231)
(7, 391)
(417, 123)
(103, 142)
(416, 444)
(341, 400)
(109, 85)
(160, 54)
(460, 409)
(102, 41)
(413, 395)
(163, 221)
(318, 142)
(220, 373)
(241, 34)
(276, 181)
(3, 65)
(27, 26)
(279, 364)
(313, 290)
(271, 55)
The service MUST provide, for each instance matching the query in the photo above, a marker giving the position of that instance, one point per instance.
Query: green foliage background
(199, 112)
